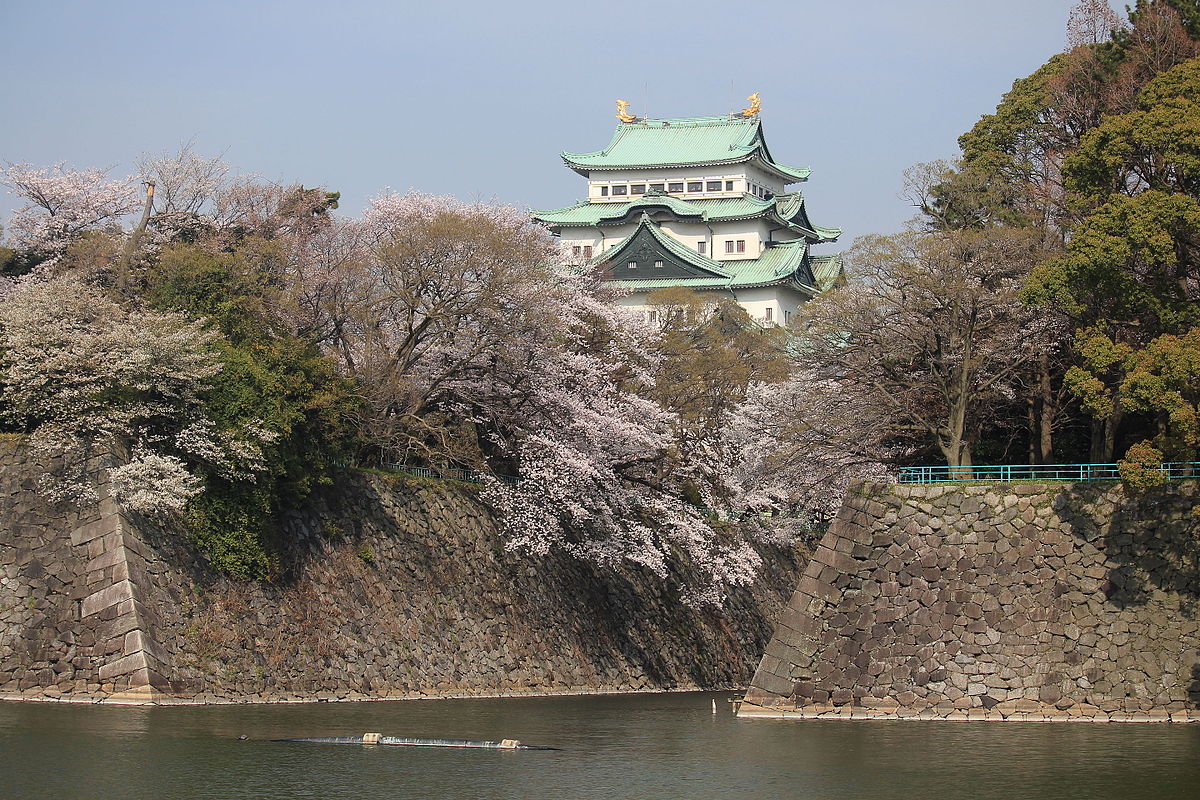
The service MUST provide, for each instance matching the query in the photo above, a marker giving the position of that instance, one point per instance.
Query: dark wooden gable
(643, 250)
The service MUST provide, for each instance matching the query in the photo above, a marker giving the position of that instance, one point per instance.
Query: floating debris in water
(378, 738)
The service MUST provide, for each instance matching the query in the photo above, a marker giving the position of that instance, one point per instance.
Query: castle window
(729, 186)
(741, 245)
(658, 265)
(770, 313)
(587, 251)
(701, 247)
(729, 245)
(652, 317)
(637, 188)
(675, 187)
(618, 190)
(604, 191)
(658, 187)
(633, 265)
(714, 186)
(695, 186)
(576, 251)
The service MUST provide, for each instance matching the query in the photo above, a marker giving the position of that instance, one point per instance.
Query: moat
(644, 746)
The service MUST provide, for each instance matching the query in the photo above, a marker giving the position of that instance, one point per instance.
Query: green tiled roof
(788, 209)
(690, 141)
(827, 271)
(593, 214)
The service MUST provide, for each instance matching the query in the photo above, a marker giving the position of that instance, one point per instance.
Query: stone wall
(1028, 601)
(70, 617)
(391, 587)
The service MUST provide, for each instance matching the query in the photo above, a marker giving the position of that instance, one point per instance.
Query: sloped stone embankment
(1031, 601)
(392, 588)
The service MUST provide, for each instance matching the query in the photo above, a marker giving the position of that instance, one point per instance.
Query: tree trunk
(1031, 423)
(1049, 409)
(1096, 439)
(135, 239)
(957, 452)
(1104, 436)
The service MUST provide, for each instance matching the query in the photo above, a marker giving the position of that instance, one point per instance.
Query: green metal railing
(447, 473)
(1004, 473)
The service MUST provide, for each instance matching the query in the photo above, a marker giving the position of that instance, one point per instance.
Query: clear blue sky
(476, 99)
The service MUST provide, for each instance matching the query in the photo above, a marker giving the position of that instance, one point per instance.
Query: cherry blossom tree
(800, 444)
(61, 203)
(472, 349)
(1092, 22)
(81, 375)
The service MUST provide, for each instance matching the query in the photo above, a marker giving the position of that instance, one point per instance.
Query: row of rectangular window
(621, 190)
(731, 246)
(652, 316)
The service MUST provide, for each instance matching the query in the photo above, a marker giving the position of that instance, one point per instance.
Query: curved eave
(585, 169)
(791, 212)
(547, 215)
(704, 210)
(788, 174)
(814, 234)
(681, 210)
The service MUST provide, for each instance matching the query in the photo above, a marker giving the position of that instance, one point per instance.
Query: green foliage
(712, 352)
(269, 380)
(1128, 263)
(1163, 379)
(1156, 147)
(230, 524)
(1005, 141)
(1093, 381)
(231, 289)
(15, 263)
(1140, 468)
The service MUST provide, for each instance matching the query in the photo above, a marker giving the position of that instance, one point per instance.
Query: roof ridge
(714, 119)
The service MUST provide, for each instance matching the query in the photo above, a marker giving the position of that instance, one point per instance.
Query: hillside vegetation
(238, 341)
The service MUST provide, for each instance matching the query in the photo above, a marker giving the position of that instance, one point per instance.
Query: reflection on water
(641, 746)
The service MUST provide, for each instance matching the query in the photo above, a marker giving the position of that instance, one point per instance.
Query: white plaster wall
(742, 176)
(782, 301)
(753, 231)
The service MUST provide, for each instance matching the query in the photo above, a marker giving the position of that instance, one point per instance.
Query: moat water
(632, 746)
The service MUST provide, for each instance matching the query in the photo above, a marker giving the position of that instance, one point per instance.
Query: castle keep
(699, 203)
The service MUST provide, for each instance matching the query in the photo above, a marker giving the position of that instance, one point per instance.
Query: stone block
(94, 530)
(121, 666)
(107, 559)
(773, 684)
(107, 598)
